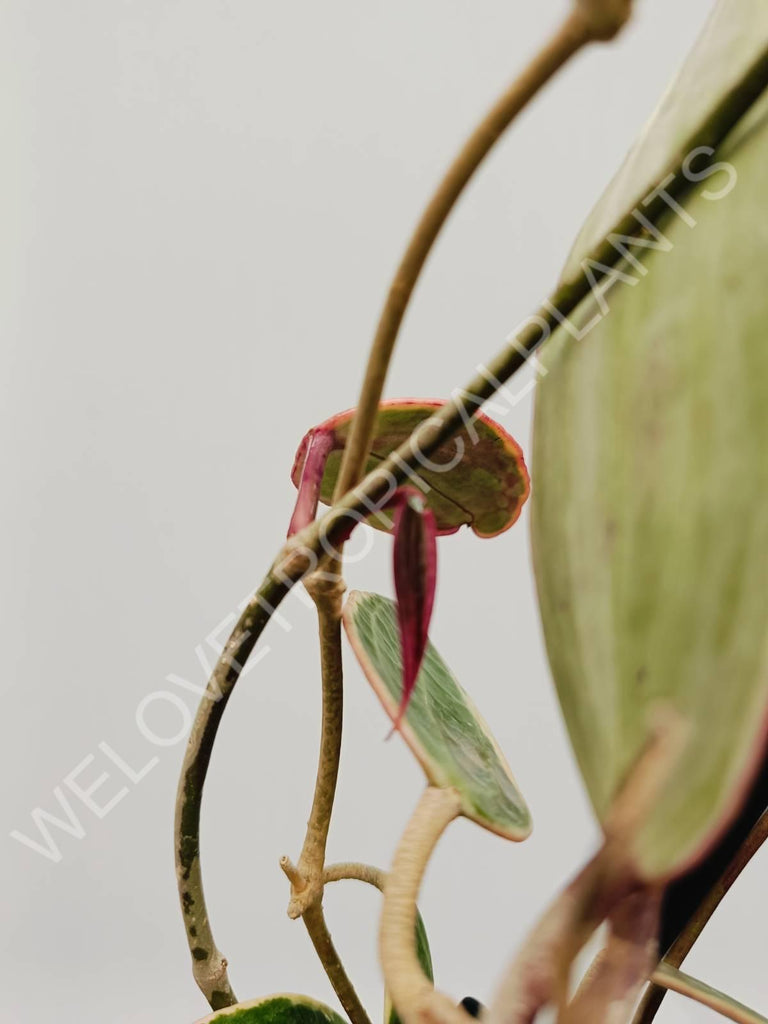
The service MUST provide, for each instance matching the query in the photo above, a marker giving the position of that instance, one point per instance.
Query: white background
(202, 202)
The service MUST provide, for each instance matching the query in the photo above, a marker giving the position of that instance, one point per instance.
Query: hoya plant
(648, 484)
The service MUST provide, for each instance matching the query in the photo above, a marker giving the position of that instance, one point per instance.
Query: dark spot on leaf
(199, 953)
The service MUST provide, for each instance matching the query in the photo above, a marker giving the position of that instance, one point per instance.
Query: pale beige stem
(676, 981)
(412, 993)
(359, 872)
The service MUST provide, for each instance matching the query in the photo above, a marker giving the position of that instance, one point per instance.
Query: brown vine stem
(586, 23)
(303, 552)
(676, 981)
(327, 595)
(307, 878)
(411, 991)
(209, 967)
(682, 945)
(326, 951)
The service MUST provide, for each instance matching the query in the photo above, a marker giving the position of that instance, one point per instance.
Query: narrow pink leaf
(320, 443)
(415, 564)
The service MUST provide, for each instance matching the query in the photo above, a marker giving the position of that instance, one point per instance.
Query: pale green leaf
(733, 39)
(442, 726)
(650, 513)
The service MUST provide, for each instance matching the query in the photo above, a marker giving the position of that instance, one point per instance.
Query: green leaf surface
(732, 40)
(284, 1008)
(484, 485)
(441, 726)
(650, 514)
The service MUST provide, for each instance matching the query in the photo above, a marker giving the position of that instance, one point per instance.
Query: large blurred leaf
(441, 726)
(650, 517)
(278, 1009)
(734, 37)
(485, 485)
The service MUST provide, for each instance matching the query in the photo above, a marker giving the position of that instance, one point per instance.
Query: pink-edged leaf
(441, 725)
(415, 569)
(319, 444)
(477, 479)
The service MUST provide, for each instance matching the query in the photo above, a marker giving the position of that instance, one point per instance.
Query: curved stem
(359, 872)
(571, 35)
(676, 981)
(677, 952)
(209, 967)
(302, 553)
(411, 991)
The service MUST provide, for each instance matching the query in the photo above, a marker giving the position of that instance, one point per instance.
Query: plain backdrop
(201, 204)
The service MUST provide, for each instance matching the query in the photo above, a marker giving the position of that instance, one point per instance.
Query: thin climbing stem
(570, 36)
(411, 991)
(676, 981)
(209, 966)
(681, 947)
(302, 554)
(314, 919)
(327, 595)
(307, 878)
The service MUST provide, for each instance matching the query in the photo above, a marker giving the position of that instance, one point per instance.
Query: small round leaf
(484, 483)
